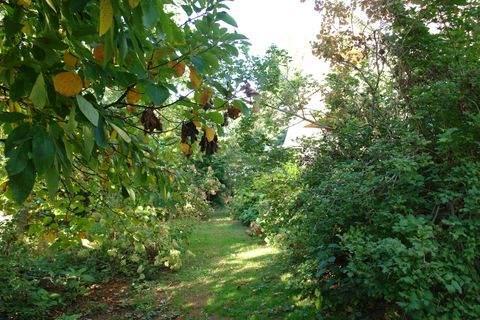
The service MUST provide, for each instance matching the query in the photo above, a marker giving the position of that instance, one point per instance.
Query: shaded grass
(231, 276)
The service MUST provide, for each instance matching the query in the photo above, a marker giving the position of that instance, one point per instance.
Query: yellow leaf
(133, 96)
(89, 244)
(133, 3)
(161, 53)
(14, 106)
(106, 16)
(70, 60)
(209, 133)
(178, 66)
(186, 149)
(51, 4)
(195, 78)
(27, 28)
(205, 98)
(24, 3)
(50, 236)
(67, 83)
(113, 135)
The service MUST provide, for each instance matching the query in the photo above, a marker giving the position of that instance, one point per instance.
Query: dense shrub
(383, 221)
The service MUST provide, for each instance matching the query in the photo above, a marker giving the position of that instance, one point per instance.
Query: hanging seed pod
(209, 147)
(249, 91)
(150, 121)
(233, 112)
(189, 130)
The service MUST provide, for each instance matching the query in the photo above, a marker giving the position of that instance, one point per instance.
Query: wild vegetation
(381, 218)
(126, 124)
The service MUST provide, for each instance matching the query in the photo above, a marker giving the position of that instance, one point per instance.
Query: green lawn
(230, 276)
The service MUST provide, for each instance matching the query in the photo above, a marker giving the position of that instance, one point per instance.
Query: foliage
(95, 96)
(255, 151)
(34, 284)
(99, 230)
(382, 222)
(107, 71)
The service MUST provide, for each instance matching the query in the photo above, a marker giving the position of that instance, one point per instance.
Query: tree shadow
(233, 276)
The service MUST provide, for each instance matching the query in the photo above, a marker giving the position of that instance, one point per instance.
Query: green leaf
(88, 110)
(131, 193)
(21, 185)
(122, 133)
(10, 117)
(17, 137)
(38, 95)
(225, 17)
(231, 49)
(234, 36)
(100, 134)
(43, 150)
(216, 117)
(219, 103)
(187, 103)
(151, 13)
(211, 59)
(52, 40)
(198, 62)
(72, 122)
(88, 142)
(157, 94)
(187, 10)
(18, 159)
(53, 181)
(62, 156)
(240, 104)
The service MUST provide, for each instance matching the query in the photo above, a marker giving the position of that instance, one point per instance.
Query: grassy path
(230, 276)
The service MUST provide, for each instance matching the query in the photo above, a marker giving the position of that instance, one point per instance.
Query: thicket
(382, 219)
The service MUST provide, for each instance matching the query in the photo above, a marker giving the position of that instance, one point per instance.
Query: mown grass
(231, 276)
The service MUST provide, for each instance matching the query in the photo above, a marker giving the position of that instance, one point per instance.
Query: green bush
(382, 223)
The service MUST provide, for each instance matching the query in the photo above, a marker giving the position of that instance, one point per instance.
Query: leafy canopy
(84, 81)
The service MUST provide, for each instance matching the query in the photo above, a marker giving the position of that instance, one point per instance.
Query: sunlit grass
(231, 276)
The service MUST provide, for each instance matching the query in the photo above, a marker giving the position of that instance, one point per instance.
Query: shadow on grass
(232, 276)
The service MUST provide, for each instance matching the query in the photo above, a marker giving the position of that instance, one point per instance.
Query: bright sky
(289, 24)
